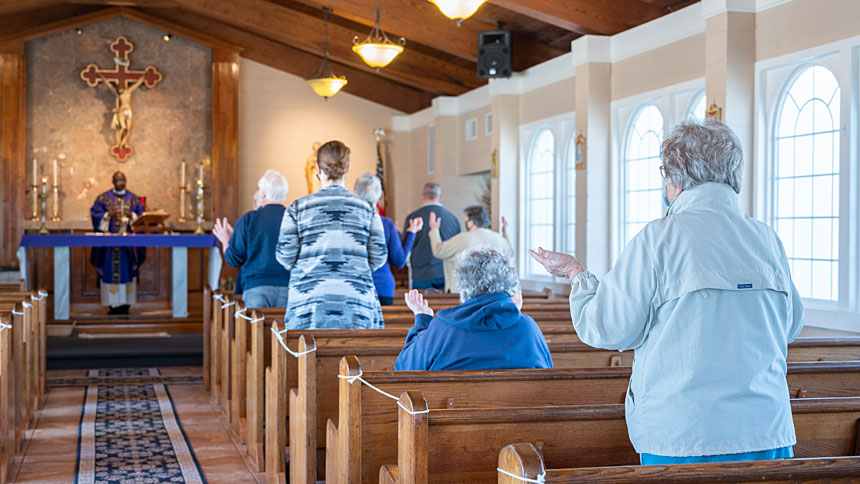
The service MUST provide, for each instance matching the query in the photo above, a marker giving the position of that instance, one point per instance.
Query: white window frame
(562, 129)
(470, 129)
(488, 124)
(673, 103)
(772, 78)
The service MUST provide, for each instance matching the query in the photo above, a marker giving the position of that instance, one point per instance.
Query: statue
(311, 170)
(121, 121)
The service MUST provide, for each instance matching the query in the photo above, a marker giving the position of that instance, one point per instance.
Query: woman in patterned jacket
(331, 241)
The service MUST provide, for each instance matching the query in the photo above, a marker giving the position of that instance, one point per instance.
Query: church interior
(136, 135)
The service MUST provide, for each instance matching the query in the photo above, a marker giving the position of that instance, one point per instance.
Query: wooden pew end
(388, 474)
(522, 460)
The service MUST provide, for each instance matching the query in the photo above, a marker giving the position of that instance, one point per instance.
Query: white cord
(227, 305)
(353, 378)
(280, 336)
(4, 326)
(220, 297)
(26, 304)
(43, 294)
(16, 313)
(541, 478)
(34, 298)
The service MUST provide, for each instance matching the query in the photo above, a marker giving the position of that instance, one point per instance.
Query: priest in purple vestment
(117, 267)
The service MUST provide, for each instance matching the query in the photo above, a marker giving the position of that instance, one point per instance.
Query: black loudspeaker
(494, 54)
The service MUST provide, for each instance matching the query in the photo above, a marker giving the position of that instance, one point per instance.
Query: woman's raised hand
(415, 225)
(557, 263)
(416, 302)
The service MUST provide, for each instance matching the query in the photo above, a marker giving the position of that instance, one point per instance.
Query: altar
(177, 243)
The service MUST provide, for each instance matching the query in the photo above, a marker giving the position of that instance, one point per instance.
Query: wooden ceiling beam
(299, 63)
(421, 22)
(17, 6)
(304, 32)
(605, 17)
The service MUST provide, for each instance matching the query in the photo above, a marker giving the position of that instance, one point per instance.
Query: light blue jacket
(705, 299)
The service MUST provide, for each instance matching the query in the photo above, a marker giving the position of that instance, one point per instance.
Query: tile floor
(50, 455)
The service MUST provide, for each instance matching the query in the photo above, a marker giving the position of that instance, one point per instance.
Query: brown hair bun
(333, 159)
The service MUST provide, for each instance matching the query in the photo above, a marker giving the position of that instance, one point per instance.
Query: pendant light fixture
(324, 83)
(458, 10)
(377, 50)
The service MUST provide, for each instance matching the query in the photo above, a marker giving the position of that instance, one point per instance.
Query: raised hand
(557, 263)
(222, 230)
(416, 224)
(435, 222)
(416, 302)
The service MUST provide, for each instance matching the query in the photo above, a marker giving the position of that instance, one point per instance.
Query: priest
(117, 267)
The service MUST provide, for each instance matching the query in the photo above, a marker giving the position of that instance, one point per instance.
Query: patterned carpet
(130, 434)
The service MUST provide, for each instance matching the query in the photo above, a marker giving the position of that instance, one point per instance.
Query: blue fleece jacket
(252, 246)
(484, 333)
(398, 250)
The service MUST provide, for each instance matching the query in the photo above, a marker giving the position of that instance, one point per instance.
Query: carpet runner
(130, 434)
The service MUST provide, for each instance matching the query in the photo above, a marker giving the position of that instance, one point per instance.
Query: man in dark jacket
(428, 271)
(252, 245)
(486, 332)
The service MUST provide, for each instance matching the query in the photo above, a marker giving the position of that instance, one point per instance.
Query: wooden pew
(8, 446)
(524, 461)
(207, 334)
(214, 356)
(463, 445)
(365, 434)
(34, 335)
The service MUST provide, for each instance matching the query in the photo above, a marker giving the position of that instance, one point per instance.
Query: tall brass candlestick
(35, 189)
(56, 193)
(183, 192)
(44, 197)
(199, 229)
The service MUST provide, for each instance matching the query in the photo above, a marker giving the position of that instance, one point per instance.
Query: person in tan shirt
(475, 236)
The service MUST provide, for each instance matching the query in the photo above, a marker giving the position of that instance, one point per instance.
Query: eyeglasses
(662, 172)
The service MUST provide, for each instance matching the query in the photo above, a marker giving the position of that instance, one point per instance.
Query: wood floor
(50, 457)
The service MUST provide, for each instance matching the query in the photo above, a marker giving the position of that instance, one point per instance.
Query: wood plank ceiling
(440, 57)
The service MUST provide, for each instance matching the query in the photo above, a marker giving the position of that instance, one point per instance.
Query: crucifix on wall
(123, 82)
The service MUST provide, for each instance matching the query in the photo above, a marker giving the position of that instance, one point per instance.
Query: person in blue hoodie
(486, 332)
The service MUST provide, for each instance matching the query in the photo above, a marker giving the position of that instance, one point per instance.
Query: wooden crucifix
(123, 82)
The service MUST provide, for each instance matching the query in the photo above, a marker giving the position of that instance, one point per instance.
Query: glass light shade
(327, 86)
(377, 54)
(458, 9)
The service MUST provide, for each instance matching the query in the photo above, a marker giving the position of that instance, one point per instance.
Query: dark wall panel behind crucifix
(70, 121)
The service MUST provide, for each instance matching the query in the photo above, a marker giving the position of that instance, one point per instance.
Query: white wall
(280, 118)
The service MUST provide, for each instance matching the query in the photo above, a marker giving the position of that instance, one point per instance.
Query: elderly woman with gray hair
(705, 299)
(486, 332)
(369, 188)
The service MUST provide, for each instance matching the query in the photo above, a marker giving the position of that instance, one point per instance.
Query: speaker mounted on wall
(494, 54)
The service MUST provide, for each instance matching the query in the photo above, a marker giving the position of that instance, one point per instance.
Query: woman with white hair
(705, 299)
(251, 245)
(486, 332)
(369, 188)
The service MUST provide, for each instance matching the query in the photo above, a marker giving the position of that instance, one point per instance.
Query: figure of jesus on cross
(118, 80)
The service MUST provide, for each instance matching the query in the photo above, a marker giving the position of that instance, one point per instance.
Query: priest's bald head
(119, 181)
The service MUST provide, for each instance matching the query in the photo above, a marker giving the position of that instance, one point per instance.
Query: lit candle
(35, 173)
(44, 185)
(55, 172)
(182, 175)
(201, 173)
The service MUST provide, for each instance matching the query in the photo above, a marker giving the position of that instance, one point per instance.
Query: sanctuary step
(134, 324)
(122, 347)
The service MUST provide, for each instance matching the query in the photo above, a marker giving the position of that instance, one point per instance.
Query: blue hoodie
(484, 333)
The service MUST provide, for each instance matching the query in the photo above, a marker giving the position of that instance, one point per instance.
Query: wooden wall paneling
(225, 132)
(586, 16)
(13, 70)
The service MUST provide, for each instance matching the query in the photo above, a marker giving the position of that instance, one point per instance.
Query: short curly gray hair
(368, 188)
(697, 152)
(484, 270)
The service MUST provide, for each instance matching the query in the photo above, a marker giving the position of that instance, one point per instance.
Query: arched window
(642, 182)
(806, 169)
(698, 106)
(540, 198)
(570, 197)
